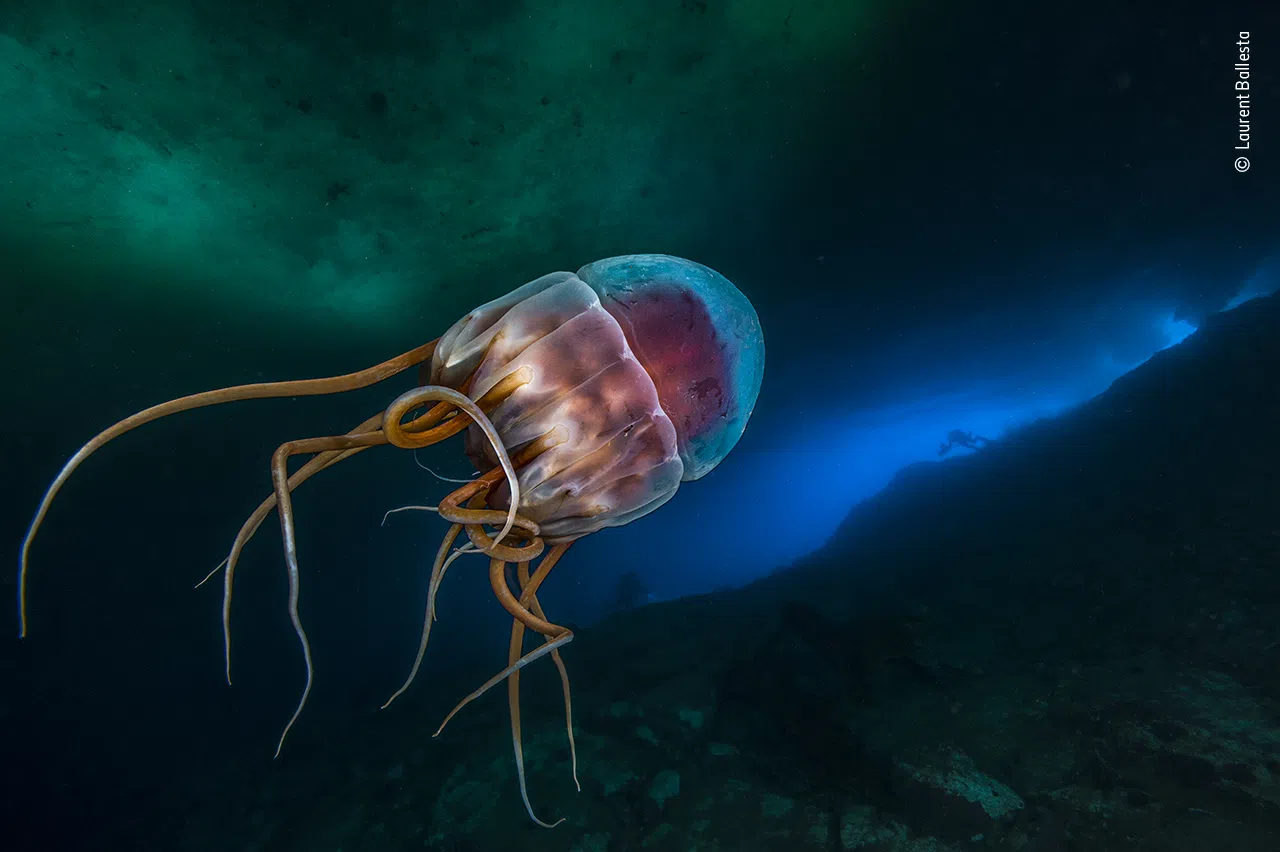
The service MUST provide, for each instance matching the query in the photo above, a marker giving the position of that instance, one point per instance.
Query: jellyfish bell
(651, 363)
(586, 400)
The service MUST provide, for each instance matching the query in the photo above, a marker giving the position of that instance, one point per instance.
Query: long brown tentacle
(555, 633)
(250, 526)
(260, 390)
(436, 570)
(528, 598)
(423, 425)
(392, 432)
(513, 702)
(280, 479)
(322, 461)
(475, 516)
(410, 400)
(420, 425)
(472, 517)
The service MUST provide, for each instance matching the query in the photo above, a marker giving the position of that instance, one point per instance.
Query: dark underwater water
(945, 216)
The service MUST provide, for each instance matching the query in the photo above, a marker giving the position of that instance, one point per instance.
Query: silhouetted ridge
(1196, 418)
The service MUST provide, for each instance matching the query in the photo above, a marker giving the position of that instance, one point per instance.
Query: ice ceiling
(348, 164)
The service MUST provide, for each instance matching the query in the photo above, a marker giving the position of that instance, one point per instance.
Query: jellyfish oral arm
(260, 390)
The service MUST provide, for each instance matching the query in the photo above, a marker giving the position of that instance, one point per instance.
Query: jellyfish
(584, 401)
